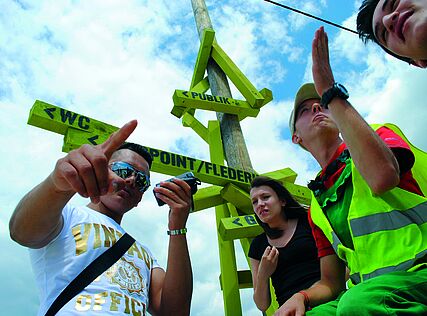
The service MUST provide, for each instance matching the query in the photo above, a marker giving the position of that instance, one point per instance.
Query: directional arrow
(237, 221)
(92, 139)
(49, 112)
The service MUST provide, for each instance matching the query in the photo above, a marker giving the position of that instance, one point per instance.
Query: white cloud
(119, 60)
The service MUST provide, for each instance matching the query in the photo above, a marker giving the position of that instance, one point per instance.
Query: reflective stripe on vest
(355, 278)
(389, 221)
(377, 224)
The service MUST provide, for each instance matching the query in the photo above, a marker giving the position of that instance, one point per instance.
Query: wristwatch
(337, 90)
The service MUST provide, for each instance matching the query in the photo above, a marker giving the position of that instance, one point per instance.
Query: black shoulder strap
(91, 272)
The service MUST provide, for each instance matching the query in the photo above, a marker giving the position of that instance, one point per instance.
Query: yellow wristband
(174, 232)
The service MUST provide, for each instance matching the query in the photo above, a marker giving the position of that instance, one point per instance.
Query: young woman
(286, 251)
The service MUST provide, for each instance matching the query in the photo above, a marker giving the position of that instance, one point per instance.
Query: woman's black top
(298, 266)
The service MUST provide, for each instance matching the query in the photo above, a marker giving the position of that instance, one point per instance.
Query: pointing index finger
(118, 138)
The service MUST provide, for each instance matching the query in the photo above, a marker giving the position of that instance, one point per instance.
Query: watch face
(342, 89)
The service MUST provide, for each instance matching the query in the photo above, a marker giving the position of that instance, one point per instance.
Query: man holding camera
(64, 239)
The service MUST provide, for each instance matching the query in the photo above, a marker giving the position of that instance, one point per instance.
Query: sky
(120, 60)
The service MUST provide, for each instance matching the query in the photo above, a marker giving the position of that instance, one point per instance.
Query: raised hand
(85, 170)
(322, 72)
(268, 263)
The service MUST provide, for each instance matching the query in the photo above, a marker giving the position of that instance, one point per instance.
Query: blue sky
(120, 60)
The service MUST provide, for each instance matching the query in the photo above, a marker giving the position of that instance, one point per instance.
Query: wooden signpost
(229, 181)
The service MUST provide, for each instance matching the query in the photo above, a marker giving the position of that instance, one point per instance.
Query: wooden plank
(203, 56)
(282, 175)
(267, 94)
(238, 197)
(227, 257)
(238, 227)
(189, 120)
(244, 277)
(189, 99)
(208, 197)
(201, 87)
(242, 83)
(174, 164)
(301, 193)
(58, 120)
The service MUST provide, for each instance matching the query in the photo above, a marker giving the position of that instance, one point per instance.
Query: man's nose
(130, 181)
(389, 21)
(316, 107)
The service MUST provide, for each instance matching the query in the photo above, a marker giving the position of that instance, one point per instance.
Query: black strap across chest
(91, 272)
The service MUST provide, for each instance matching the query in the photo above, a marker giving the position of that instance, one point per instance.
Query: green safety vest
(389, 231)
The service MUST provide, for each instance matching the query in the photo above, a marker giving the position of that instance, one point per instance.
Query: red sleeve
(324, 247)
(404, 156)
(400, 148)
(391, 138)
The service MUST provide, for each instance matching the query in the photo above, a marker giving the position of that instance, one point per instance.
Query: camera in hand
(188, 177)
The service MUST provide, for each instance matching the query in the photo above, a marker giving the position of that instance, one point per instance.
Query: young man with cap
(64, 239)
(398, 26)
(368, 212)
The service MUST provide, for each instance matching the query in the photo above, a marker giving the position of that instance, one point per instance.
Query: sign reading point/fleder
(79, 129)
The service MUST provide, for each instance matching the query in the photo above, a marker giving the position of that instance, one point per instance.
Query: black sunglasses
(125, 170)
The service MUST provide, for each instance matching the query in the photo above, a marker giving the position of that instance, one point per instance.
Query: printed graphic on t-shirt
(125, 273)
(127, 276)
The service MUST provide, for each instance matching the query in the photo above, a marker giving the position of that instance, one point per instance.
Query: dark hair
(292, 209)
(140, 150)
(365, 30)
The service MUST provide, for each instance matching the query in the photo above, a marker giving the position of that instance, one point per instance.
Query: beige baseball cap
(306, 91)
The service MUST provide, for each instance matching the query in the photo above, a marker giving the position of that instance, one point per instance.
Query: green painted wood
(201, 87)
(208, 197)
(238, 227)
(189, 120)
(244, 277)
(58, 120)
(178, 111)
(203, 56)
(174, 164)
(228, 267)
(246, 88)
(267, 94)
(238, 197)
(78, 137)
(190, 99)
(282, 175)
(274, 306)
(163, 161)
(300, 193)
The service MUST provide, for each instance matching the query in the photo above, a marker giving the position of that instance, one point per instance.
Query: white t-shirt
(121, 290)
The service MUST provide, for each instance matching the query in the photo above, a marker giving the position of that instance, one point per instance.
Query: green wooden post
(229, 278)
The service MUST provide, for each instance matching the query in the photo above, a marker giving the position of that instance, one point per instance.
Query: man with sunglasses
(399, 27)
(63, 239)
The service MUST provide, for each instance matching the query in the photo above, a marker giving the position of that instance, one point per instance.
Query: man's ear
(419, 63)
(296, 139)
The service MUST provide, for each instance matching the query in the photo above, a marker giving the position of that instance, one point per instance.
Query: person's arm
(171, 291)
(374, 160)
(330, 285)
(261, 273)
(37, 218)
